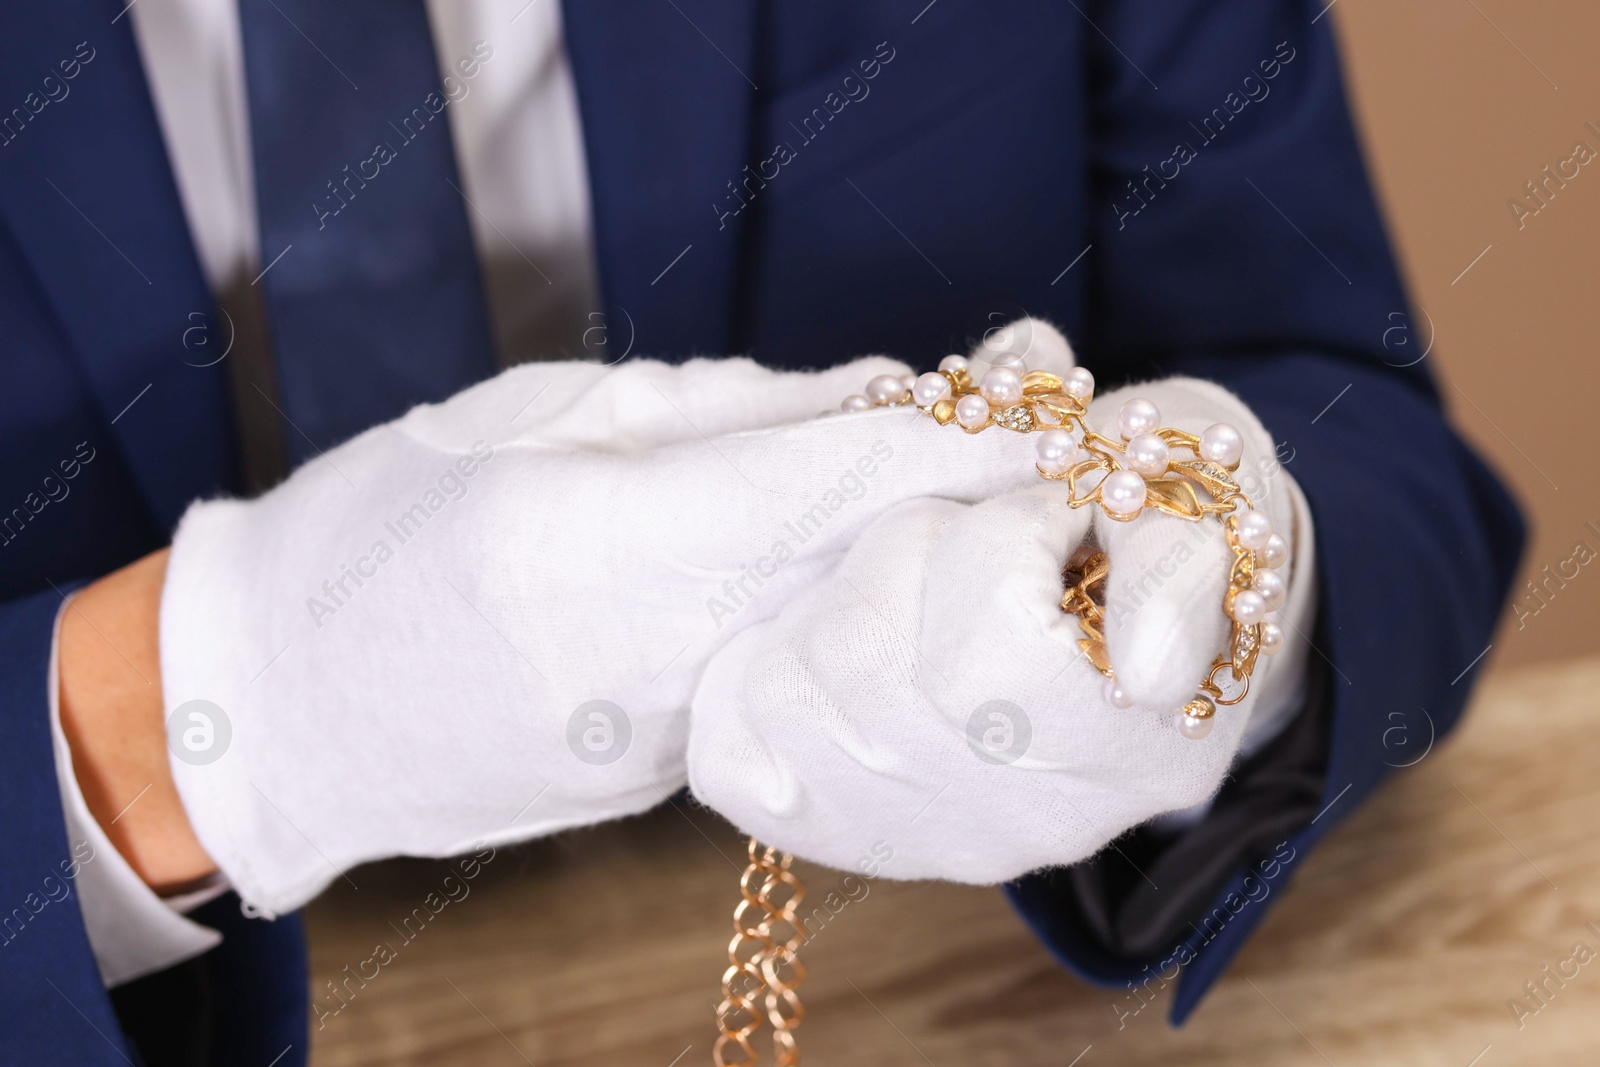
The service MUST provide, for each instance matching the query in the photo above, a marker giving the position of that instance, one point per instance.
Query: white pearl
(1001, 385)
(1271, 586)
(1271, 637)
(1079, 383)
(855, 402)
(1275, 553)
(1253, 529)
(972, 411)
(1221, 444)
(930, 389)
(1138, 416)
(1116, 696)
(953, 363)
(885, 389)
(1192, 728)
(1057, 451)
(1147, 453)
(1248, 607)
(1122, 493)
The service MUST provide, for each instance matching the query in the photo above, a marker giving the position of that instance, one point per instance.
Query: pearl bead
(855, 402)
(885, 389)
(1147, 453)
(1116, 696)
(1271, 637)
(1275, 553)
(1138, 416)
(1001, 385)
(1079, 383)
(1192, 728)
(930, 389)
(1221, 444)
(1122, 493)
(1271, 586)
(972, 411)
(1248, 607)
(953, 363)
(1253, 529)
(1057, 451)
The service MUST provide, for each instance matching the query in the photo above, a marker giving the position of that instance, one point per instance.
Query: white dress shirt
(520, 154)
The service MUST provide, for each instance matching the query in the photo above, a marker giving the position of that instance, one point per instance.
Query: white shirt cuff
(132, 931)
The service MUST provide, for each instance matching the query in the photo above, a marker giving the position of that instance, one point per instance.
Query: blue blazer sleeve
(110, 422)
(245, 1001)
(53, 1008)
(1236, 238)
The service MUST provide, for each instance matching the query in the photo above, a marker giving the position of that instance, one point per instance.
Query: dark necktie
(372, 290)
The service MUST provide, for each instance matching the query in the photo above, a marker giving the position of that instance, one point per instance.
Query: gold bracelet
(763, 968)
(1177, 473)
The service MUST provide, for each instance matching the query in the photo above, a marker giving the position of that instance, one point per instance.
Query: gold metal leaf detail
(1244, 568)
(1173, 496)
(1041, 381)
(1212, 478)
(1062, 406)
(1095, 653)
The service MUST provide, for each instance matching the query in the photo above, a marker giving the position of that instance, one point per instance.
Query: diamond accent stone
(1216, 481)
(1019, 418)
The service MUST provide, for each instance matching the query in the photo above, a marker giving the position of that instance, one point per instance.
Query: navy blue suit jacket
(1176, 184)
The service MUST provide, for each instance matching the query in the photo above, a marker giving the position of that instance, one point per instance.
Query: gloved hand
(929, 694)
(403, 646)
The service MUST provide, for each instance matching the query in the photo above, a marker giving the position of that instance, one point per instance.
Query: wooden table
(1401, 941)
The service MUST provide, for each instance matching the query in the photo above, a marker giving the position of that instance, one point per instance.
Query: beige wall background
(1461, 104)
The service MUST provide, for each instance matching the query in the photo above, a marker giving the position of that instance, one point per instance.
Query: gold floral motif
(1191, 488)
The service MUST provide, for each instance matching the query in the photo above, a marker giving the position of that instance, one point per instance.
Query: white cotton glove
(929, 694)
(401, 646)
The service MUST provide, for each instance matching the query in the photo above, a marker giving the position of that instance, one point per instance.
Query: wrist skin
(109, 665)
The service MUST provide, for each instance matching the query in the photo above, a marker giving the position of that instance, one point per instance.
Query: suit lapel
(87, 192)
(666, 91)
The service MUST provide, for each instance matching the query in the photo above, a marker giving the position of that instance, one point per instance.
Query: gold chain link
(763, 971)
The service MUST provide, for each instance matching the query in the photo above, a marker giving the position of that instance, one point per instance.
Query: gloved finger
(1163, 614)
(811, 730)
(638, 405)
(814, 732)
(1164, 623)
(647, 403)
(993, 630)
(814, 485)
(910, 701)
(1028, 342)
(695, 541)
